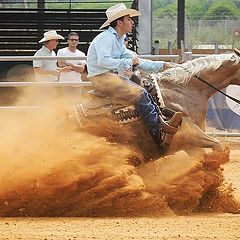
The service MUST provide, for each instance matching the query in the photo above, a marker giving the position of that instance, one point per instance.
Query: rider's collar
(113, 31)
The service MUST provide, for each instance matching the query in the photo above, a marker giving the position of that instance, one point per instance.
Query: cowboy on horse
(107, 56)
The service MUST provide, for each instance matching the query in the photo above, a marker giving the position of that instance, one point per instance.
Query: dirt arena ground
(211, 226)
(33, 183)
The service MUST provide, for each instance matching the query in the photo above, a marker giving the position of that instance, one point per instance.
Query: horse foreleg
(190, 135)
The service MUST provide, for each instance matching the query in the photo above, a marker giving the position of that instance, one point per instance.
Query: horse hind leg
(190, 135)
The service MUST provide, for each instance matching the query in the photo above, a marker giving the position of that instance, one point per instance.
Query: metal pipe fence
(31, 58)
(59, 84)
(145, 56)
(187, 56)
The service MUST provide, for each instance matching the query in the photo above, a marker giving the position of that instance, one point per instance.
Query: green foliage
(207, 34)
(161, 3)
(214, 29)
(170, 11)
(224, 9)
(195, 8)
(199, 9)
(237, 3)
(169, 8)
(164, 30)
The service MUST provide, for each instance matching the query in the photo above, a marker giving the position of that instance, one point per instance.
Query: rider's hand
(167, 65)
(135, 61)
(128, 73)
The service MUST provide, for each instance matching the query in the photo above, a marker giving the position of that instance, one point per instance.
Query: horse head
(219, 70)
(182, 89)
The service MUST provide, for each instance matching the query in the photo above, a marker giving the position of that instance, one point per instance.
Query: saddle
(123, 111)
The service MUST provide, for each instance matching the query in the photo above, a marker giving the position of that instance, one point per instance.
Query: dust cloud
(66, 174)
(51, 167)
(48, 169)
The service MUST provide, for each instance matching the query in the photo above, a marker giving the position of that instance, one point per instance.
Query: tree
(161, 3)
(199, 9)
(222, 10)
(170, 11)
(237, 3)
(196, 8)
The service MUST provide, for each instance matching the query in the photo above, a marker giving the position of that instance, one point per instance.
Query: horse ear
(237, 52)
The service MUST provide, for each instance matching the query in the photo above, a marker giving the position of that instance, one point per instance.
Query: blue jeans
(118, 87)
(148, 112)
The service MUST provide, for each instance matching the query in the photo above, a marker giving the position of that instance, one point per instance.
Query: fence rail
(31, 58)
(187, 56)
(145, 56)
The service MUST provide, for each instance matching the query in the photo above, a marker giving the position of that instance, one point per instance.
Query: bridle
(209, 84)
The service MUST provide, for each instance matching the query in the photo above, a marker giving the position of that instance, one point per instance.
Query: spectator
(78, 66)
(47, 70)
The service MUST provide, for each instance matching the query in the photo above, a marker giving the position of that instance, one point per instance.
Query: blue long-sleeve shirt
(107, 52)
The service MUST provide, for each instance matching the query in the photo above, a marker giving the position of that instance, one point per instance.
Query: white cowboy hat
(117, 11)
(51, 35)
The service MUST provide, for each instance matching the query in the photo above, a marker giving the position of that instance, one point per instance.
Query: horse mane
(184, 72)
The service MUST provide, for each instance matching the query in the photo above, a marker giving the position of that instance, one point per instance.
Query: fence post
(189, 48)
(156, 47)
(170, 48)
(182, 50)
(215, 48)
(187, 56)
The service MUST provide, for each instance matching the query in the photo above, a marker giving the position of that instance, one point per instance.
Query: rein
(210, 85)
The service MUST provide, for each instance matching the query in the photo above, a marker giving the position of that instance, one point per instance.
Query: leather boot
(169, 128)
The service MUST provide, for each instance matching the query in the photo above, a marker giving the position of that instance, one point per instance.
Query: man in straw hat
(47, 70)
(107, 55)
